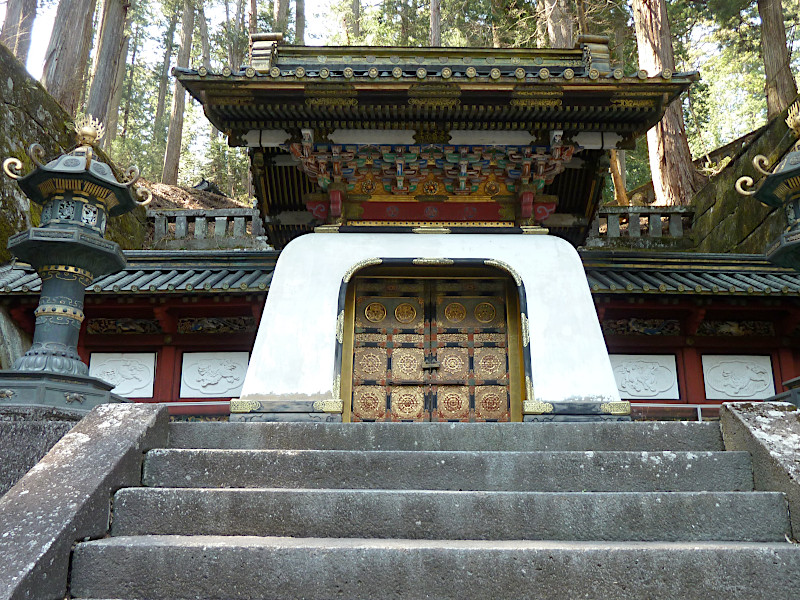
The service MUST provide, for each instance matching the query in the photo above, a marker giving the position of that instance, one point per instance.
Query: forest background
(113, 59)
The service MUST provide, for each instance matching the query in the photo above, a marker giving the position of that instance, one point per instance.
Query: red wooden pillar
(784, 368)
(693, 388)
(166, 372)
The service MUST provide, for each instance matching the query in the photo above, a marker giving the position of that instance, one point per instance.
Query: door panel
(433, 349)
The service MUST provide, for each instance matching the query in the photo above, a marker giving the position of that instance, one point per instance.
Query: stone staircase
(441, 510)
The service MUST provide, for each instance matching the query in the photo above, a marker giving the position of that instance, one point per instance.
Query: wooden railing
(205, 229)
(665, 223)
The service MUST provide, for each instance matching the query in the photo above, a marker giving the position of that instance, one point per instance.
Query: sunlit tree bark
(68, 51)
(173, 152)
(675, 180)
(780, 86)
(16, 32)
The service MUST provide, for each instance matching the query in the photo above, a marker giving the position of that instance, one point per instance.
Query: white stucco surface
(294, 352)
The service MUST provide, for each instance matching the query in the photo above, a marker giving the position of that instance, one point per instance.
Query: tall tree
(300, 22)
(163, 80)
(129, 94)
(116, 96)
(16, 32)
(780, 86)
(436, 23)
(280, 15)
(675, 180)
(68, 52)
(559, 23)
(355, 19)
(172, 154)
(106, 64)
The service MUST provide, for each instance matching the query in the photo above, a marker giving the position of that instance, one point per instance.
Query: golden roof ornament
(89, 130)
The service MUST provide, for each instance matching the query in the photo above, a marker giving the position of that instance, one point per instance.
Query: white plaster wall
(293, 356)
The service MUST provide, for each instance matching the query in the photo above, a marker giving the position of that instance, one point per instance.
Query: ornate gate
(430, 349)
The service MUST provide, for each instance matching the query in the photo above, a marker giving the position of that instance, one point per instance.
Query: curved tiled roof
(165, 272)
(157, 272)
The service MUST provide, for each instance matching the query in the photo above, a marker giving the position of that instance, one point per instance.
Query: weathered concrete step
(503, 471)
(234, 568)
(649, 436)
(645, 516)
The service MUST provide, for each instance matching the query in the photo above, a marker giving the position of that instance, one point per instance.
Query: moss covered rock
(726, 221)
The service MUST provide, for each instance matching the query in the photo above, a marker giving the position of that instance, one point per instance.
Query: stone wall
(28, 114)
(726, 221)
(23, 444)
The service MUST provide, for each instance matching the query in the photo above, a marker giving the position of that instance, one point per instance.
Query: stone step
(644, 516)
(500, 470)
(642, 436)
(237, 568)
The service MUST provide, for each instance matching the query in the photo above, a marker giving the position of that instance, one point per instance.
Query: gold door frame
(516, 321)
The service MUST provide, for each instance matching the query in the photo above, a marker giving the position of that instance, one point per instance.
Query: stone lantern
(780, 188)
(78, 192)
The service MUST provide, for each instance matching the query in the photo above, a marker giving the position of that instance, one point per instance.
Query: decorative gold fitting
(504, 267)
(616, 408)
(526, 332)
(535, 230)
(340, 327)
(89, 130)
(534, 407)
(367, 262)
(793, 118)
(742, 182)
(36, 152)
(761, 162)
(58, 310)
(328, 406)
(431, 230)
(327, 229)
(12, 167)
(244, 406)
(64, 269)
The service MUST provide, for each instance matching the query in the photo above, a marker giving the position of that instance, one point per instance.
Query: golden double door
(430, 349)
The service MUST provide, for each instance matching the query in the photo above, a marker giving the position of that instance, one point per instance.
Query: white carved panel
(132, 373)
(645, 376)
(213, 374)
(738, 377)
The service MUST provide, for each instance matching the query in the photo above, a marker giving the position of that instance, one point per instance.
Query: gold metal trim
(337, 388)
(430, 230)
(433, 261)
(367, 262)
(327, 229)
(328, 406)
(535, 230)
(534, 407)
(244, 406)
(516, 366)
(340, 327)
(59, 310)
(616, 408)
(346, 371)
(526, 332)
(505, 267)
(65, 269)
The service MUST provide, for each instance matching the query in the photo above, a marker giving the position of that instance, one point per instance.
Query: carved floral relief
(737, 377)
(650, 377)
(132, 374)
(213, 374)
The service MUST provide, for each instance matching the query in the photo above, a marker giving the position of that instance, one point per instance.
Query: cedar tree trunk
(106, 64)
(172, 155)
(68, 52)
(780, 86)
(16, 32)
(675, 180)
